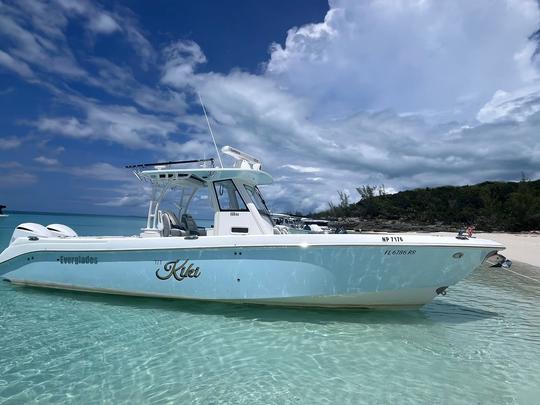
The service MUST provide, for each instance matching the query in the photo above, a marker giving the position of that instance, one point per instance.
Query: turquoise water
(480, 344)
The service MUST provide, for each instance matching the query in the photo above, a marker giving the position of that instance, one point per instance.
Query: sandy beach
(521, 247)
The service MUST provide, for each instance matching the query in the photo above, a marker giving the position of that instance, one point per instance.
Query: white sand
(521, 247)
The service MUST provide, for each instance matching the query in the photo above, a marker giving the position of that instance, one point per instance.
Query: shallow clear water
(479, 344)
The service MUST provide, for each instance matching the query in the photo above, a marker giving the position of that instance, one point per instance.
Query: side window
(259, 202)
(228, 197)
(257, 199)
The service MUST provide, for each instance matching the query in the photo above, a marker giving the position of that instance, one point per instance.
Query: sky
(330, 96)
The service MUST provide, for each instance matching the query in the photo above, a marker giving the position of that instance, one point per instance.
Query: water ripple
(479, 344)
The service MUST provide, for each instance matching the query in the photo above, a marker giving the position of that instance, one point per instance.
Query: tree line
(506, 206)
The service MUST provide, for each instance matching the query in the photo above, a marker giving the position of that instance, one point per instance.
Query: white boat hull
(294, 270)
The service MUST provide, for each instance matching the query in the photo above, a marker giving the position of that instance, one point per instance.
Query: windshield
(259, 202)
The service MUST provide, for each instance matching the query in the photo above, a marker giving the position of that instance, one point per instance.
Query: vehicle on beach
(244, 257)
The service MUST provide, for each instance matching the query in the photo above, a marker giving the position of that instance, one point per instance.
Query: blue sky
(328, 95)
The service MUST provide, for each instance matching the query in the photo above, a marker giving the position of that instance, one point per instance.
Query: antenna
(210, 128)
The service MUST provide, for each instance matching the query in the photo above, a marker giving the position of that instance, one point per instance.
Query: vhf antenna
(210, 128)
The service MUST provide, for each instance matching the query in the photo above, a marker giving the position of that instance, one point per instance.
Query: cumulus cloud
(393, 92)
(517, 105)
(368, 94)
(408, 56)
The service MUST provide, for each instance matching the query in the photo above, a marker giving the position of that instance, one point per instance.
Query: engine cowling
(30, 229)
(60, 230)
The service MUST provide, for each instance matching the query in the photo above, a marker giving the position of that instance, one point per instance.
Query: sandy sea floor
(479, 344)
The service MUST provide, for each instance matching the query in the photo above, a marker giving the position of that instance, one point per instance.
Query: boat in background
(297, 224)
(315, 225)
(2, 214)
(244, 257)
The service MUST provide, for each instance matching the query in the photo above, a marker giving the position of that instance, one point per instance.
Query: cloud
(17, 178)
(409, 56)
(9, 143)
(15, 65)
(136, 38)
(126, 201)
(383, 147)
(47, 161)
(516, 105)
(34, 36)
(103, 23)
(69, 126)
(181, 58)
(401, 93)
(103, 171)
(38, 40)
(132, 194)
(302, 169)
(10, 165)
(119, 81)
(124, 125)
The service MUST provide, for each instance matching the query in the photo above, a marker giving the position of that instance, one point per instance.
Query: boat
(315, 225)
(244, 257)
(290, 221)
(295, 224)
(2, 215)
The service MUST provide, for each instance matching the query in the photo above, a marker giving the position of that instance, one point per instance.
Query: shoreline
(520, 247)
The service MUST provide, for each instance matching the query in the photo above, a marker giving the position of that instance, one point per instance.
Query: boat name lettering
(178, 271)
(77, 260)
(392, 239)
(400, 252)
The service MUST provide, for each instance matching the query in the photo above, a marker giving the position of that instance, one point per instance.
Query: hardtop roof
(177, 176)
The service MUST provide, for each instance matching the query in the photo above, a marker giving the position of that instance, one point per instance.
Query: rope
(522, 275)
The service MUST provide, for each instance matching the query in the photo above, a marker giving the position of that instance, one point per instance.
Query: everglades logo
(178, 270)
(77, 260)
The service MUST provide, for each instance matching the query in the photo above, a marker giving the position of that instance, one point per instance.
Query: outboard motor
(30, 229)
(61, 231)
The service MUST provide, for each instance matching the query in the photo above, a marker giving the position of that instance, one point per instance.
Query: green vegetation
(508, 206)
